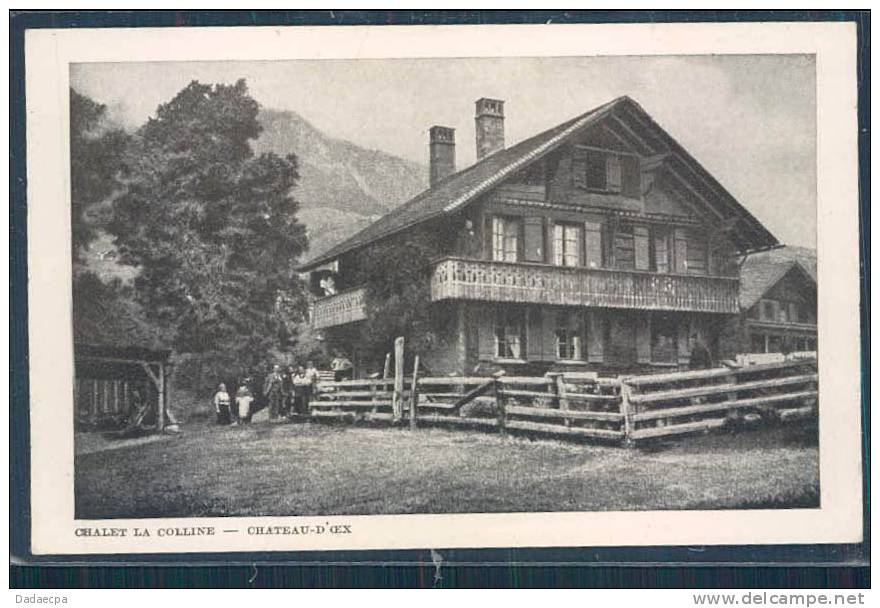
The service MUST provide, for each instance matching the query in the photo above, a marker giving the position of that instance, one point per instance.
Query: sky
(749, 119)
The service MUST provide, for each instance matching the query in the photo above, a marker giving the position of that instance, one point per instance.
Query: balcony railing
(345, 307)
(455, 278)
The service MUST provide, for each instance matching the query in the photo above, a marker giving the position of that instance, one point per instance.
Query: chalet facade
(599, 244)
(778, 296)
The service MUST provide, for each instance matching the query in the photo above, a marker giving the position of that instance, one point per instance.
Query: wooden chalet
(599, 244)
(121, 370)
(778, 293)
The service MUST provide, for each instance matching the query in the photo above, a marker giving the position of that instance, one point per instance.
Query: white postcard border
(48, 54)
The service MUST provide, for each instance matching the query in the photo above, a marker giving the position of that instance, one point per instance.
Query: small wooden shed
(120, 386)
(121, 367)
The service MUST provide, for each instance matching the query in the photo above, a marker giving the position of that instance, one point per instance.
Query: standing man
(701, 358)
(273, 389)
(341, 366)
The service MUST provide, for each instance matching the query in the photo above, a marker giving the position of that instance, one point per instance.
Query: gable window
(569, 336)
(567, 239)
(607, 171)
(510, 333)
(506, 238)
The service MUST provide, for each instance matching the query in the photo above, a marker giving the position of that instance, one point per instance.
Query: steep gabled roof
(458, 189)
(761, 271)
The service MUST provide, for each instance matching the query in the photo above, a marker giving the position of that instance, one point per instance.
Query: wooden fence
(671, 404)
(627, 409)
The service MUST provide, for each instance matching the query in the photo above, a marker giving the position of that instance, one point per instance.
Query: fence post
(500, 408)
(414, 396)
(397, 395)
(626, 410)
(561, 396)
(734, 415)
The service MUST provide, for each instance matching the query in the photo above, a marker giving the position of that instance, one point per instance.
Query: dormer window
(607, 171)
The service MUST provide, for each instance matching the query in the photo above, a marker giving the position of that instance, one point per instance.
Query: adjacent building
(599, 244)
(778, 297)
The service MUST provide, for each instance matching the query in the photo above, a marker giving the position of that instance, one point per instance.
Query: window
(759, 343)
(642, 247)
(505, 239)
(661, 237)
(769, 310)
(567, 240)
(664, 339)
(569, 336)
(793, 312)
(696, 253)
(607, 171)
(510, 333)
(774, 344)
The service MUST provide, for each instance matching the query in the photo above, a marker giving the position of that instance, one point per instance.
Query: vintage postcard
(315, 288)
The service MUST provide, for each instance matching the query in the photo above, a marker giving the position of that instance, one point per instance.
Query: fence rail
(629, 408)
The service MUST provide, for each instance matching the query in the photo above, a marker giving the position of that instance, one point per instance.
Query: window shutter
(608, 231)
(632, 177)
(641, 236)
(534, 239)
(487, 238)
(485, 315)
(614, 172)
(579, 169)
(680, 250)
(595, 337)
(643, 338)
(592, 244)
(534, 331)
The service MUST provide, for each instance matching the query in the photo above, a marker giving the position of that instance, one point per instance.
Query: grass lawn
(329, 469)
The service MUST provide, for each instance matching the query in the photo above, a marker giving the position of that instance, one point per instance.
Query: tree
(96, 153)
(398, 294)
(212, 227)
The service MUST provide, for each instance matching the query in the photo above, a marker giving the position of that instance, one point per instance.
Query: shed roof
(460, 188)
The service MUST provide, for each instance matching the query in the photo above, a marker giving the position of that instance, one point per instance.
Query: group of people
(223, 406)
(287, 394)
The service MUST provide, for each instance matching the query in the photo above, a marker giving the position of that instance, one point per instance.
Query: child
(243, 400)
(221, 405)
(301, 385)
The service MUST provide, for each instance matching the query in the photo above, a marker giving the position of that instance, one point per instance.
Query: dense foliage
(396, 274)
(96, 152)
(211, 227)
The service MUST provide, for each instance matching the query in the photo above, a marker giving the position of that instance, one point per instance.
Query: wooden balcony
(460, 279)
(345, 307)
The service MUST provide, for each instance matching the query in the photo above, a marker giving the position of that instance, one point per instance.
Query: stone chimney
(441, 151)
(490, 126)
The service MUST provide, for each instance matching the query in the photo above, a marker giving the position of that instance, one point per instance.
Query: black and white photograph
(416, 285)
(563, 305)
